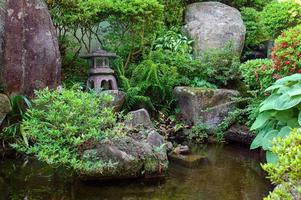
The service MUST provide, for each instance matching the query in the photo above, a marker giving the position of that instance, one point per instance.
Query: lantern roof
(99, 53)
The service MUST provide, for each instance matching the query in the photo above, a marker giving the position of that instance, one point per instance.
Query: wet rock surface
(29, 52)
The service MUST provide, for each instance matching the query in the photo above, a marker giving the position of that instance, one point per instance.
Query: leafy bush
(286, 55)
(256, 32)
(198, 133)
(239, 4)
(173, 41)
(279, 16)
(286, 172)
(279, 113)
(258, 74)
(61, 122)
(220, 65)
(173, 12)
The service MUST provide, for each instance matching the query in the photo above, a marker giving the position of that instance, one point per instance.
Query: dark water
(232, 173)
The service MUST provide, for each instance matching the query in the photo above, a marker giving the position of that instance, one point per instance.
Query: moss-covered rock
(132, 156)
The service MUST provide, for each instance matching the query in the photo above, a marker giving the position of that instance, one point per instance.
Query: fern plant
(279, 113)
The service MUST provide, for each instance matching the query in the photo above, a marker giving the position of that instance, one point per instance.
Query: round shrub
(286, 54)
(61, 123)
(279, 16)
(258, 74)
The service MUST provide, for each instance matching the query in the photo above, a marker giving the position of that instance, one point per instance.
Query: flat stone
(190, 161)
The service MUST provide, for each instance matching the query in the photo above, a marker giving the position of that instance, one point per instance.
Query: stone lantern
(101, 76)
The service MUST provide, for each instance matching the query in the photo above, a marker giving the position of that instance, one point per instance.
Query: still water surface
(231, 173)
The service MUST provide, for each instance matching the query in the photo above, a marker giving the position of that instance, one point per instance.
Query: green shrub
(256, 32)
(286, 172)
(279, 16)
(198, 133)
(220, 65)
(279, 113)
(173, 12)
(239, 4)
(286, 55)
(258, 74)
(173, 41)
(61, 122)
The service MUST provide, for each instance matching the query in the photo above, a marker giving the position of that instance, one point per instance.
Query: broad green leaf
(295, 77)
(268, 138)
(273, 87)
(284, 131)
(295, 90)
(257, 142)
(299, 118)
(262, 119)
(285, 102)
(287, 117)
(269, 103)
(271, 157)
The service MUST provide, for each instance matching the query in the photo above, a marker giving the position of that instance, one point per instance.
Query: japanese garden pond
(231, 173)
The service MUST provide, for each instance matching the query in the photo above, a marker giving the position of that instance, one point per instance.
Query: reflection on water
(232, 173)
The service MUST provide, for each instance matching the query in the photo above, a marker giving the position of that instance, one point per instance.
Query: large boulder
(206, 106)
(239, 134)
(29, 52)
(136, 155)
(212, 25)
(5, 107)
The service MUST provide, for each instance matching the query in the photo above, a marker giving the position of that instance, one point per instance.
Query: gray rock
(212, 25)
(133, 156)
(207, 106)
(29, 51)
(118, 99)
(239, 134)
(190, 161)
(139, 118)
(155, 139)
(5, 107)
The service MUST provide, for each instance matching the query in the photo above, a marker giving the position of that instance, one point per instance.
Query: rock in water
(212, 25)
(29, 52)
(134, 156)
(207, 106)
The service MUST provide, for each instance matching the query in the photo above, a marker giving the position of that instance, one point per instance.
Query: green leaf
(271, 157)
(295, 77)
(257, 142)
(285, 102)
(269, 103)
(268, 138)
(299, 118)
(261, 120)
(284, 131)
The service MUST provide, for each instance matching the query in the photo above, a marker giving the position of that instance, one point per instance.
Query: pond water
(231, 173)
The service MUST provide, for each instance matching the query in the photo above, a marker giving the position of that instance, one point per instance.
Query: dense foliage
(279, 113)
(287, 52)
(256, 31)
(258, 74)
(286, 172)
(60, 122)
(278, 16)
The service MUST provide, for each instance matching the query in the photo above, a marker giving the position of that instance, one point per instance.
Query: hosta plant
(279, 113)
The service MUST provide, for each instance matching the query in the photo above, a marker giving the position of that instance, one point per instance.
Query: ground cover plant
(61, 121)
